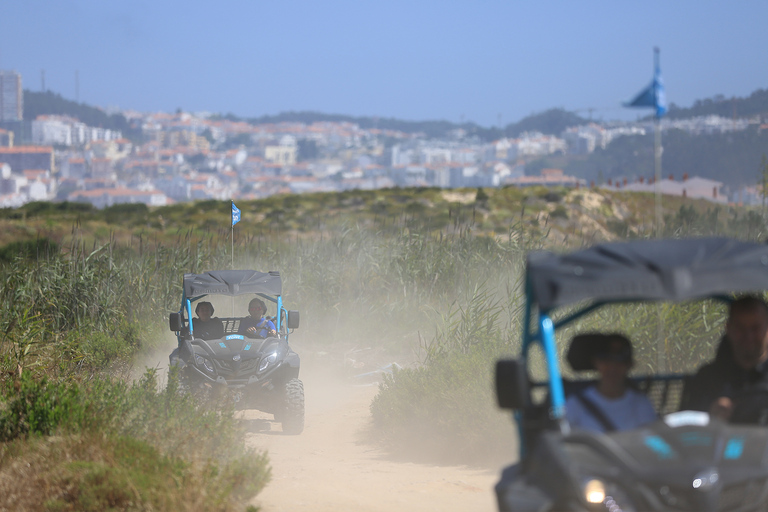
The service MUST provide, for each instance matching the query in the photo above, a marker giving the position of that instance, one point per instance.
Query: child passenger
(610, 404)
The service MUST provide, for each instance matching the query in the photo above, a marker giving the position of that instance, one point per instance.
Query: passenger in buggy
(255, 325)
(204, 326)
(611, 404)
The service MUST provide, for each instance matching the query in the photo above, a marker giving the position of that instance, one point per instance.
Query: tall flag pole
(654, 96)
(235, 219)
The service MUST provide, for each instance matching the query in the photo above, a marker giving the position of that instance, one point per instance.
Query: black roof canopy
(232, 282)
(648, 270)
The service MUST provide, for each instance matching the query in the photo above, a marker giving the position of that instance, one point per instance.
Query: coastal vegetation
(428, 277)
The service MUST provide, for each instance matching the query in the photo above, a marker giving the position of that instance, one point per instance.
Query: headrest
(586, 347)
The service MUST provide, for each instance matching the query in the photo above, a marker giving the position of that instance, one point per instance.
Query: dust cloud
(336, 465)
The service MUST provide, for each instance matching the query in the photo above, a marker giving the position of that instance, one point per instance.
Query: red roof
(115, 192)
(26, 149)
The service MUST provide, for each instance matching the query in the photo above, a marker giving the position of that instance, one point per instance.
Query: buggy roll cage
(545, 336)
(637, 271)
(267, 285)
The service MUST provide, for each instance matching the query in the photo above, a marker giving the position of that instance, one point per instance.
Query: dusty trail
(330, 468)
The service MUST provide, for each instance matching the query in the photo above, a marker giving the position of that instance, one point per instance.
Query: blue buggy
(683, 461)
(253, 371)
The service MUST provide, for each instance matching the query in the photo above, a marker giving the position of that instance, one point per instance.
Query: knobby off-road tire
(292, 414)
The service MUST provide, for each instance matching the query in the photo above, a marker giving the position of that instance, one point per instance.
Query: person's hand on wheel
(722, 408)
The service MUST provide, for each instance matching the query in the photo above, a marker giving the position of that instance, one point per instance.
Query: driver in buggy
(734, 387)
(255, 325)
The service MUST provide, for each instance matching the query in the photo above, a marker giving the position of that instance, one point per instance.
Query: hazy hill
(754, 104)
(549, 122)
(570, 217)
(51, 103)
(732, 158)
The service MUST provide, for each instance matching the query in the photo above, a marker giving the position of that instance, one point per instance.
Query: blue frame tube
(557, 394)
(189, 315)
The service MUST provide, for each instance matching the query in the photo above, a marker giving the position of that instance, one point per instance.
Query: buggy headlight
(608, 494)
(594, 491)
(267, 361)
(206, 363)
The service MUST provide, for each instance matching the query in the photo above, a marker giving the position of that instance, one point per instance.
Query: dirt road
(330, 468)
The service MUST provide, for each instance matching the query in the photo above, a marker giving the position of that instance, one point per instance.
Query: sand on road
(329, 467)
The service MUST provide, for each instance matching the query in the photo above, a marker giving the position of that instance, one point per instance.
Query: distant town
(188, 156)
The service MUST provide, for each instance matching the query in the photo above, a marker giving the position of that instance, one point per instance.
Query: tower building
(11, 97)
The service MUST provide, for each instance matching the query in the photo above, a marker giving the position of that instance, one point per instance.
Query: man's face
(204, 312)
(748, 331)
(256, 310)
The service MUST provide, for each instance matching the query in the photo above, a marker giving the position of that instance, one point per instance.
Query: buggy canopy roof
(232, 282)
(648, 270)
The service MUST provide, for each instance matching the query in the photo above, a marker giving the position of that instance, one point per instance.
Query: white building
(103, 197)
(695, 188)
(66, 131)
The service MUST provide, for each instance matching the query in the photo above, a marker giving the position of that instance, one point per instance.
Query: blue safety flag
(235, 214)
(653, 95)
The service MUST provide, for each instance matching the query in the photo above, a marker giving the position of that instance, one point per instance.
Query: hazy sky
(472, 60)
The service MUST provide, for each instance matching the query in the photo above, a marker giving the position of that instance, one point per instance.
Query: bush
(559, 212)
(40, 248)
(124, 447)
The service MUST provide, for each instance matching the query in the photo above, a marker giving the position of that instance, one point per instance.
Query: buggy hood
(232, 282)
(648, 270)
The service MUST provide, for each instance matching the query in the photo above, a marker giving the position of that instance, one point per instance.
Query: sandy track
(329, 467)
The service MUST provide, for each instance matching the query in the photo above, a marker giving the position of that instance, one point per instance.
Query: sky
(490, 62)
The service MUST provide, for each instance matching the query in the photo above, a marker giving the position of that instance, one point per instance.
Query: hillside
(51, 103)
(756, 104)
(544, 216)
(550, 122)
(732, 158)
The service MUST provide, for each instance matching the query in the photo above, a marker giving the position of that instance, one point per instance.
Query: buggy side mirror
(512, 389)
(293, 320)
(174, 321)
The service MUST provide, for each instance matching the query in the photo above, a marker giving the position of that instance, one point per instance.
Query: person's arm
(246, 328)
(701, 391)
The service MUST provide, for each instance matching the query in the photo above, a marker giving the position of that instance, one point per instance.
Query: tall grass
(444, 409)
(72, 323)
(398, 271)
(445, 405)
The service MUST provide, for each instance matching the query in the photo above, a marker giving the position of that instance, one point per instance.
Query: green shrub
(34, 407)
(146, 449)
(40, 248)
(559, 212)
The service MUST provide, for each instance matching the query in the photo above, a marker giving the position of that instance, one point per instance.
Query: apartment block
(11, 97)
